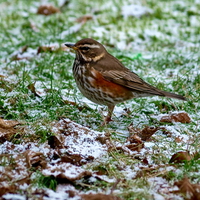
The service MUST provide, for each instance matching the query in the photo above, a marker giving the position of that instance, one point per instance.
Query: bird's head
(88, 50)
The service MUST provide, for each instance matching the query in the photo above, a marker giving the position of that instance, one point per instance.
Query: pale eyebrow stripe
(91, 46)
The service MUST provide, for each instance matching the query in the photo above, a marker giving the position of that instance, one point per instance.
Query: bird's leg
(107, 119)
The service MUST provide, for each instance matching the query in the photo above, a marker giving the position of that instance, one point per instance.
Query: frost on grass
(135, 11)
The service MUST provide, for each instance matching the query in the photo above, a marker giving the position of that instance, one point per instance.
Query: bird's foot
(106, 120)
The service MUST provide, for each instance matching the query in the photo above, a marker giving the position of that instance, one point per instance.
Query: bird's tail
(172, 95)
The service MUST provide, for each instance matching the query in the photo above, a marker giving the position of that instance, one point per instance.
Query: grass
(162, 48)
(42, 181)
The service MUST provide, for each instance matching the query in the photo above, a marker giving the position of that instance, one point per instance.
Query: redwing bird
(103, 79)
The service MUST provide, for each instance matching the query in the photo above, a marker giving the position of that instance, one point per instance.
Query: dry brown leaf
(4, 189)
(135, 147)
(144, 133)
(182, 117)
(62, 170)
(165, 131)
(51, 48)
(16, 57)
(84, 18)
(47, 10)
(147, 132)
(80, 108)
(13, 173)
(145, 161)
(34, 158)
(136, 143)
(76, 159)
(104, 139)
(8, 123)
(178, 139)
(24, 48)
(187, 188)
(56, 142)
(181, 157)
(134, 139)
(7, 129)
(99, 196)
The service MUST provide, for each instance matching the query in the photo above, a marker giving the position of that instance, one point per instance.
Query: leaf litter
(68, 150)
(71, 147)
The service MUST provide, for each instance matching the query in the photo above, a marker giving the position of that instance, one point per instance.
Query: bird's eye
(84, 48)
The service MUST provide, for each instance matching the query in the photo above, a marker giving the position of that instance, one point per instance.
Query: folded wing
(114, 71)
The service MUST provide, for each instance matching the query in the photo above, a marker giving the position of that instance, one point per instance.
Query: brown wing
(114, 71)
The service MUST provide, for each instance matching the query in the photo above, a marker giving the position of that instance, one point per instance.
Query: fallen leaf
(136, 143)
(145, 161)
(178, 139)
(99, 196)
(165, 131)
(20, 52)
(56, 142)
(5, 188)
(34, 159)
(180, 157)
(51, 48)
(144, 133)
(182, 117)
(189, 189)
(47, 10)
(62, 170)
(76, 159)
(84, 18)
(13, 172)
(7, 129)
(134, 139)
(24, 48)
(147, 132)
(185, 185)
(80, 108)
(8, 123)
(135, 147)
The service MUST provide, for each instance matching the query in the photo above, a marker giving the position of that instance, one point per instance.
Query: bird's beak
(71, 45)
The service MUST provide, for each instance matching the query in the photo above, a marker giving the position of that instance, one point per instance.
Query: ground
(52, 144)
